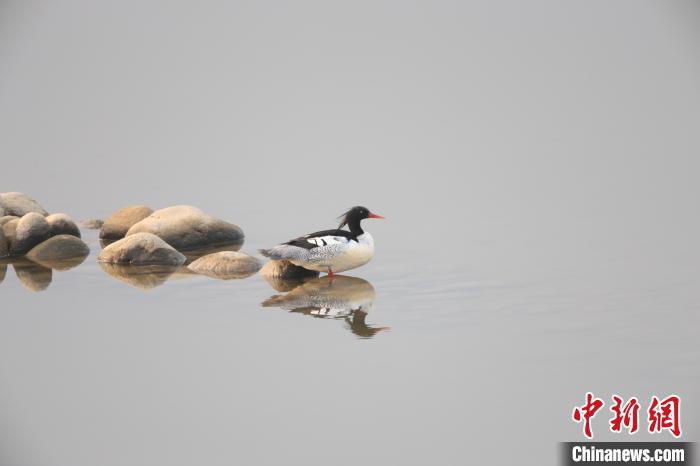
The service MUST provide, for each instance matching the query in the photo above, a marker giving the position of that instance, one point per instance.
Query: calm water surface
(400, 362)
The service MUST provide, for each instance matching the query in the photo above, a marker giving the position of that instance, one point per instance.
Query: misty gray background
(537, 163)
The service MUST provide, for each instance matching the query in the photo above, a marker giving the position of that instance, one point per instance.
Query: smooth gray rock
(117, 224)
(57, 248)
(185, 227)
(18, 204)
(226, 265)
(4, 245)
(7, 218)
(32, 229)
(62, 224)
(141, 249)
(92, 223)
(285, 276)
(10, 228)
(194, 254)
(285, 269)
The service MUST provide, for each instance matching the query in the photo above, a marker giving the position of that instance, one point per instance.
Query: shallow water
(409, 364)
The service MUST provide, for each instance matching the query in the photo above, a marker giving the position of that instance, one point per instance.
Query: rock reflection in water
(36, 275)
(33, 276)
(284, 285)
(144, 277)
(346, 298)
(63, 264)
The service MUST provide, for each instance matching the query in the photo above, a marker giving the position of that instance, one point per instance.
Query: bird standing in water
(330, 251)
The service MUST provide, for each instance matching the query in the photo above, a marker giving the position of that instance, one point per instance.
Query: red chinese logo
(587, 412)
(665, 415)
(662, 414)
(627, 415)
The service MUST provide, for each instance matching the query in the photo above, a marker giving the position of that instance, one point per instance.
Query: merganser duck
(330, 251)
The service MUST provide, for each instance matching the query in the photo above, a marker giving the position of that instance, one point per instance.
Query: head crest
(344, 218)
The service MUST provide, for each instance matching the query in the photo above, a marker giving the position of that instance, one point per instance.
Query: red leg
(330, 273)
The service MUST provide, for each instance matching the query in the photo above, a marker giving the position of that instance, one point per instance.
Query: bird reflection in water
(344, 298)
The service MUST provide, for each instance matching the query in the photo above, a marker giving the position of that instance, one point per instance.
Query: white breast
(355, 255)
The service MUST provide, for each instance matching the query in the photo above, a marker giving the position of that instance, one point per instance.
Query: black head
(354, 216)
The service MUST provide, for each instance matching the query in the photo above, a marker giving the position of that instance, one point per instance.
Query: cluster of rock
(28, 230)
(167, 237)
(179, 238)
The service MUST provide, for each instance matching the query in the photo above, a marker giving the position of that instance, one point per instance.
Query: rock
(4, 245)
(62, 224)
(19, 204)
(3, 271)
(32, 229)
(117, 224)
(106, 242)
(141, 249)
(185, 227)
(226, 265)
(10, 228)
(285, 276)
(285, 269)
(92, 223)
(143, 277)
(33, 276)
(58, 248)
(7, 218)
(194, 254)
